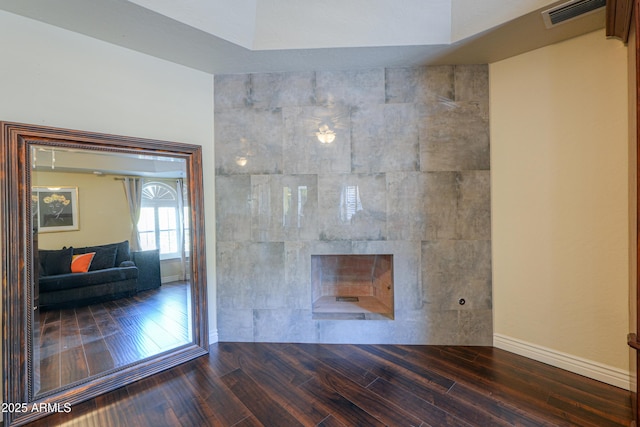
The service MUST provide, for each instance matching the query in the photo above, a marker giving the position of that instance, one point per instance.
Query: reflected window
(292, 207)
(164, 220)
(286, 206)
(350, 202)
(302, 200)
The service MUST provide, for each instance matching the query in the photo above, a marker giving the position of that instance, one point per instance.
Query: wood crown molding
(618, 19)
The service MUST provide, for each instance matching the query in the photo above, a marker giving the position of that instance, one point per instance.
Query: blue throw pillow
(53, 262)
(104, 258)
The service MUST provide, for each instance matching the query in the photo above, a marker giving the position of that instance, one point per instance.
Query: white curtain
(181, 239)
(133, 191)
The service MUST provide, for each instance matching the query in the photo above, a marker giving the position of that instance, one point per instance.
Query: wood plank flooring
(76, 343)
(263, 384)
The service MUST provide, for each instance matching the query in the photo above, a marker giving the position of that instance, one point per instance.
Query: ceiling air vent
(570, 10)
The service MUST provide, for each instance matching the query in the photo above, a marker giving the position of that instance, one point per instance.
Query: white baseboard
(213, 337)
(588, 368)
(169, 279)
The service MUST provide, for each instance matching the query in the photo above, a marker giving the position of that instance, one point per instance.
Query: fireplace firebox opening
(358, 287)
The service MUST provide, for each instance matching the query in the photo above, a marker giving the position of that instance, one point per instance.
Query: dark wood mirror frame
(17, 270)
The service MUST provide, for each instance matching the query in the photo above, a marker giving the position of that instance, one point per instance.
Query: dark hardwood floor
(260, 384)
(76, 343)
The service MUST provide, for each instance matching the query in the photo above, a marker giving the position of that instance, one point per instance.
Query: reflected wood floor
(76, 343)
(261, 384)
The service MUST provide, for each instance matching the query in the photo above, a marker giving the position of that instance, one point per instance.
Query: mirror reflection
(111, 251)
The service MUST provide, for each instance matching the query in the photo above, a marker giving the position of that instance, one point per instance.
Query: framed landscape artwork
(55, 208)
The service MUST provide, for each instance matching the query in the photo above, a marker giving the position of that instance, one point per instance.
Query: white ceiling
(241, 36)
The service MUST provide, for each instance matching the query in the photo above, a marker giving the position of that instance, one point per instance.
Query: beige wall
(54, 77)
(103, 211)
(560, 201)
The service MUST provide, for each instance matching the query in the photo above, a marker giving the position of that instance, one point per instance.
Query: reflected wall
(378, 161)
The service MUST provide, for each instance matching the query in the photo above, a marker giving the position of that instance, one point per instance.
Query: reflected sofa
(111, 275)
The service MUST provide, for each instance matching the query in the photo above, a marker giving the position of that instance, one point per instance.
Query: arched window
(161, 224)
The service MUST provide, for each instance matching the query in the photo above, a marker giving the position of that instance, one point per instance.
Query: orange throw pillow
(81, 263)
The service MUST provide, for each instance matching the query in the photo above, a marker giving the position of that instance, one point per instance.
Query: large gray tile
(385, 138)
(451, 327)
(406, 214)
(284, 207)
(436, 83)
(420, 85)
(284, 325)
(473, 220)
(231, 91)
(233, 208)
(472, 85)
(235, 325)
(297, 273)
(475, 327)
(266, 212)
(443, 327)
(304, 153)
(401, 85)
(272, 90)
(454, 137)
(454, 270)
(440, 205)
(352, 207)
(350, 87)
(299, 207)
(456, 205)
(356, 331)
(250, 134)
(251, 275)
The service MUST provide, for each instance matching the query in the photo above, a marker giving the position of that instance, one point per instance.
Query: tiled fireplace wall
(413, 142)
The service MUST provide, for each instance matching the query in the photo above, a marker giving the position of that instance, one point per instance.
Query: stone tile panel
(454, 137)
(454, 270)
(274, 90)
(350, 87)
(385, 139)
(304, 153)
(233, 209)
(283, 207)
(231, 91)
(250, 134)
(251, 275)
(420, 85)
(352, 207)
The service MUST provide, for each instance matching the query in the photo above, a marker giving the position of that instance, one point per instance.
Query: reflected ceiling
(99, 163)
(241, 36)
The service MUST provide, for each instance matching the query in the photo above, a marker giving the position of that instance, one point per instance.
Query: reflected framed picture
(55, 208)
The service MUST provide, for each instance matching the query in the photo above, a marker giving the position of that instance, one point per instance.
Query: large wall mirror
(103, 264)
